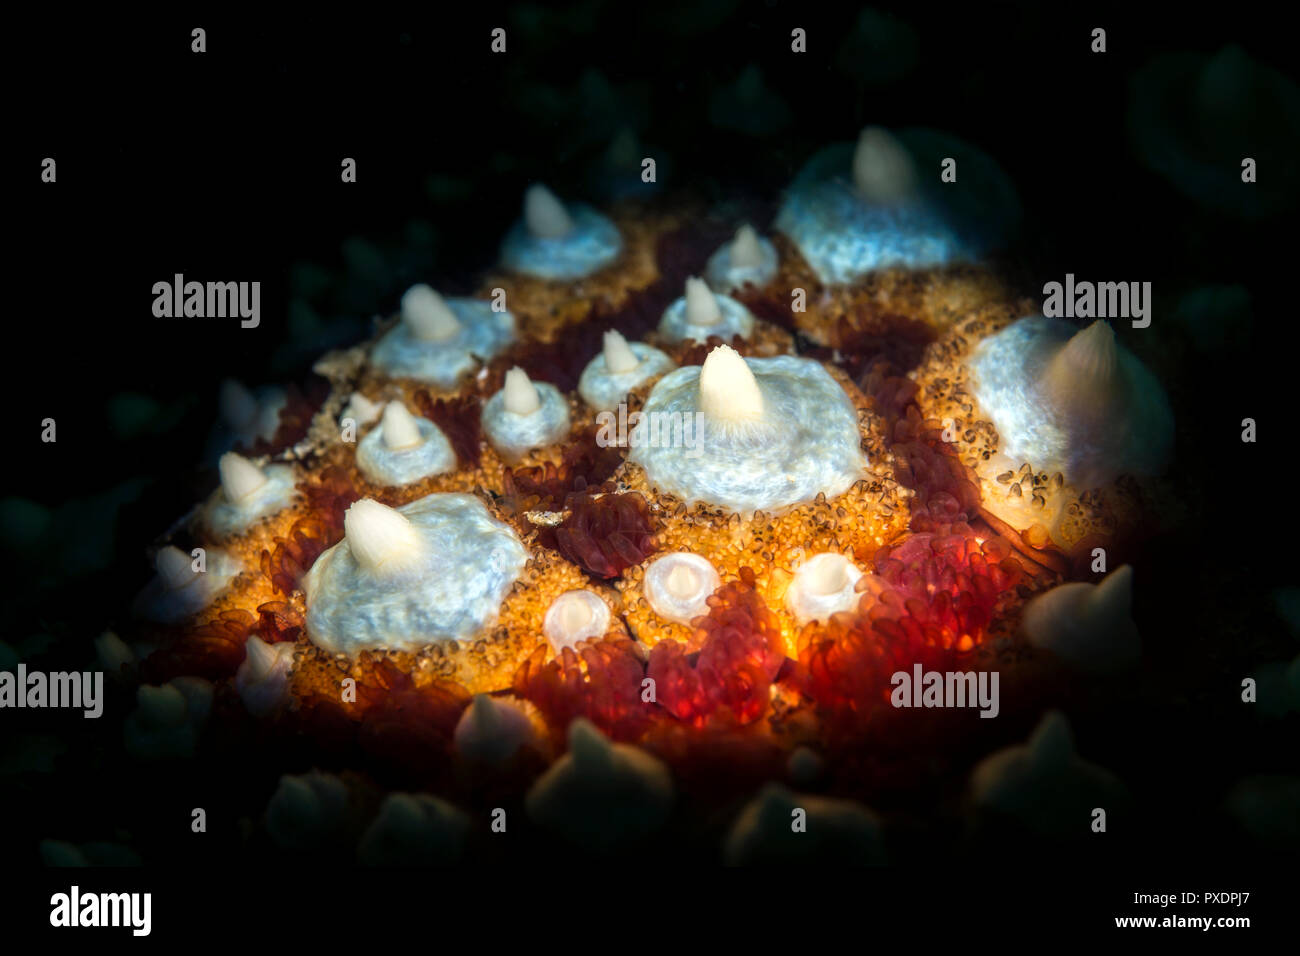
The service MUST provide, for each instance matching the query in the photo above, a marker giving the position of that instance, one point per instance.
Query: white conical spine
(702, 307)
(428, 315)
(746, 252)
(174, 567)
(238, 405)
(882, 170)
(381, 538)
(682, 581)
(521, 396)
(399, 428)
(240, 478)
(619, 356)
(1086, 372)
(544, 215)
(1112, 599)
(729, 391)
(260, 656)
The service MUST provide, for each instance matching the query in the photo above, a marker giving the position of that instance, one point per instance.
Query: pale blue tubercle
(466, 566)
(593, 243)
(513, 435)
(845, 236)
(387, 466)
(482, 334)
(161, 602)
(224, 518)
(735, 319)
(603, 390)
(723, 275)
(1113, 418)
(806, 443)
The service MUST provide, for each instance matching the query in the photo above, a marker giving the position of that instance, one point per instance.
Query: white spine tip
(544, 215)
(399, 429)
(702, 307)
(428, 316)
(882, 170)
(682, 582)
(824, 585)
(361, 409)
(1086, 372)
(1114, 594)
(381, 538)
(240, 478)
(237, 404)
(521, 396)
(729, 391)
(619, 356)
(491, 730)
(259, 657)
(1093, 350)
(746, 253)
(827, 577)
(174, 568)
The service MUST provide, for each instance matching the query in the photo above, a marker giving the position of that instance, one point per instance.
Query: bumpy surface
(877, 452)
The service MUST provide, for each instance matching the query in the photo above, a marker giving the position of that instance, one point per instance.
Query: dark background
(225, 166)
